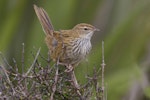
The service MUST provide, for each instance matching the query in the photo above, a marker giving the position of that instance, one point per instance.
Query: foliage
(44, 82)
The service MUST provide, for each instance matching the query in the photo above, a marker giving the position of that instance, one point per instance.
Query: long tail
(44, 20)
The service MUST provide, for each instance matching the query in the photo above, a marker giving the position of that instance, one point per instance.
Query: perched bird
(66, 47)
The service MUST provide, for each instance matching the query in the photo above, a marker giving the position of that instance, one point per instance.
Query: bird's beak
(96, 29)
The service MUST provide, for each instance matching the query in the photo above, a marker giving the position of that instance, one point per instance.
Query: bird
(66, 47)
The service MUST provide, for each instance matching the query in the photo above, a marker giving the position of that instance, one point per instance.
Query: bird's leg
(74, 80)
(70, 70)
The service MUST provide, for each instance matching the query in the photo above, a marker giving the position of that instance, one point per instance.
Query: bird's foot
(69, 68)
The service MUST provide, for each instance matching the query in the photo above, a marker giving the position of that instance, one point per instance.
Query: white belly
(81, 49)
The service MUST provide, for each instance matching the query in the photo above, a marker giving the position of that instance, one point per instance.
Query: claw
(70, 68)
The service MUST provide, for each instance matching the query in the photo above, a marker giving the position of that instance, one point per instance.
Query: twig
(22, 66)
(45, 59)
(33, 62)
(106, 92)
(9, 82)
(48, 59)
(103, 66)
(37, 63)
(34, 69)
(5, 61)
(55, 83)
(22, 58)
(15, 65)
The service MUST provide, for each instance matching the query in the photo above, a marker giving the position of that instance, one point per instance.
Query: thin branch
(36, 60)
(22, 66)
(7, 77)
(55, 83)
(48, 59)
(5, 61)
(15, 65)
(45, 59)
(103, 66)
(106, 92)
(22, 58)
(33, 62)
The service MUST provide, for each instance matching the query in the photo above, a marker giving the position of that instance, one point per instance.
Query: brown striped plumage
(67, 47)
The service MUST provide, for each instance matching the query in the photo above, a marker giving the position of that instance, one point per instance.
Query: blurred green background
(125, 28)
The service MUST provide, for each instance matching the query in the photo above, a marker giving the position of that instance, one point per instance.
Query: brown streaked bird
(67, 47)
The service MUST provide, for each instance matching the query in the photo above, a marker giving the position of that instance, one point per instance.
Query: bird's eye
(85, 28)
